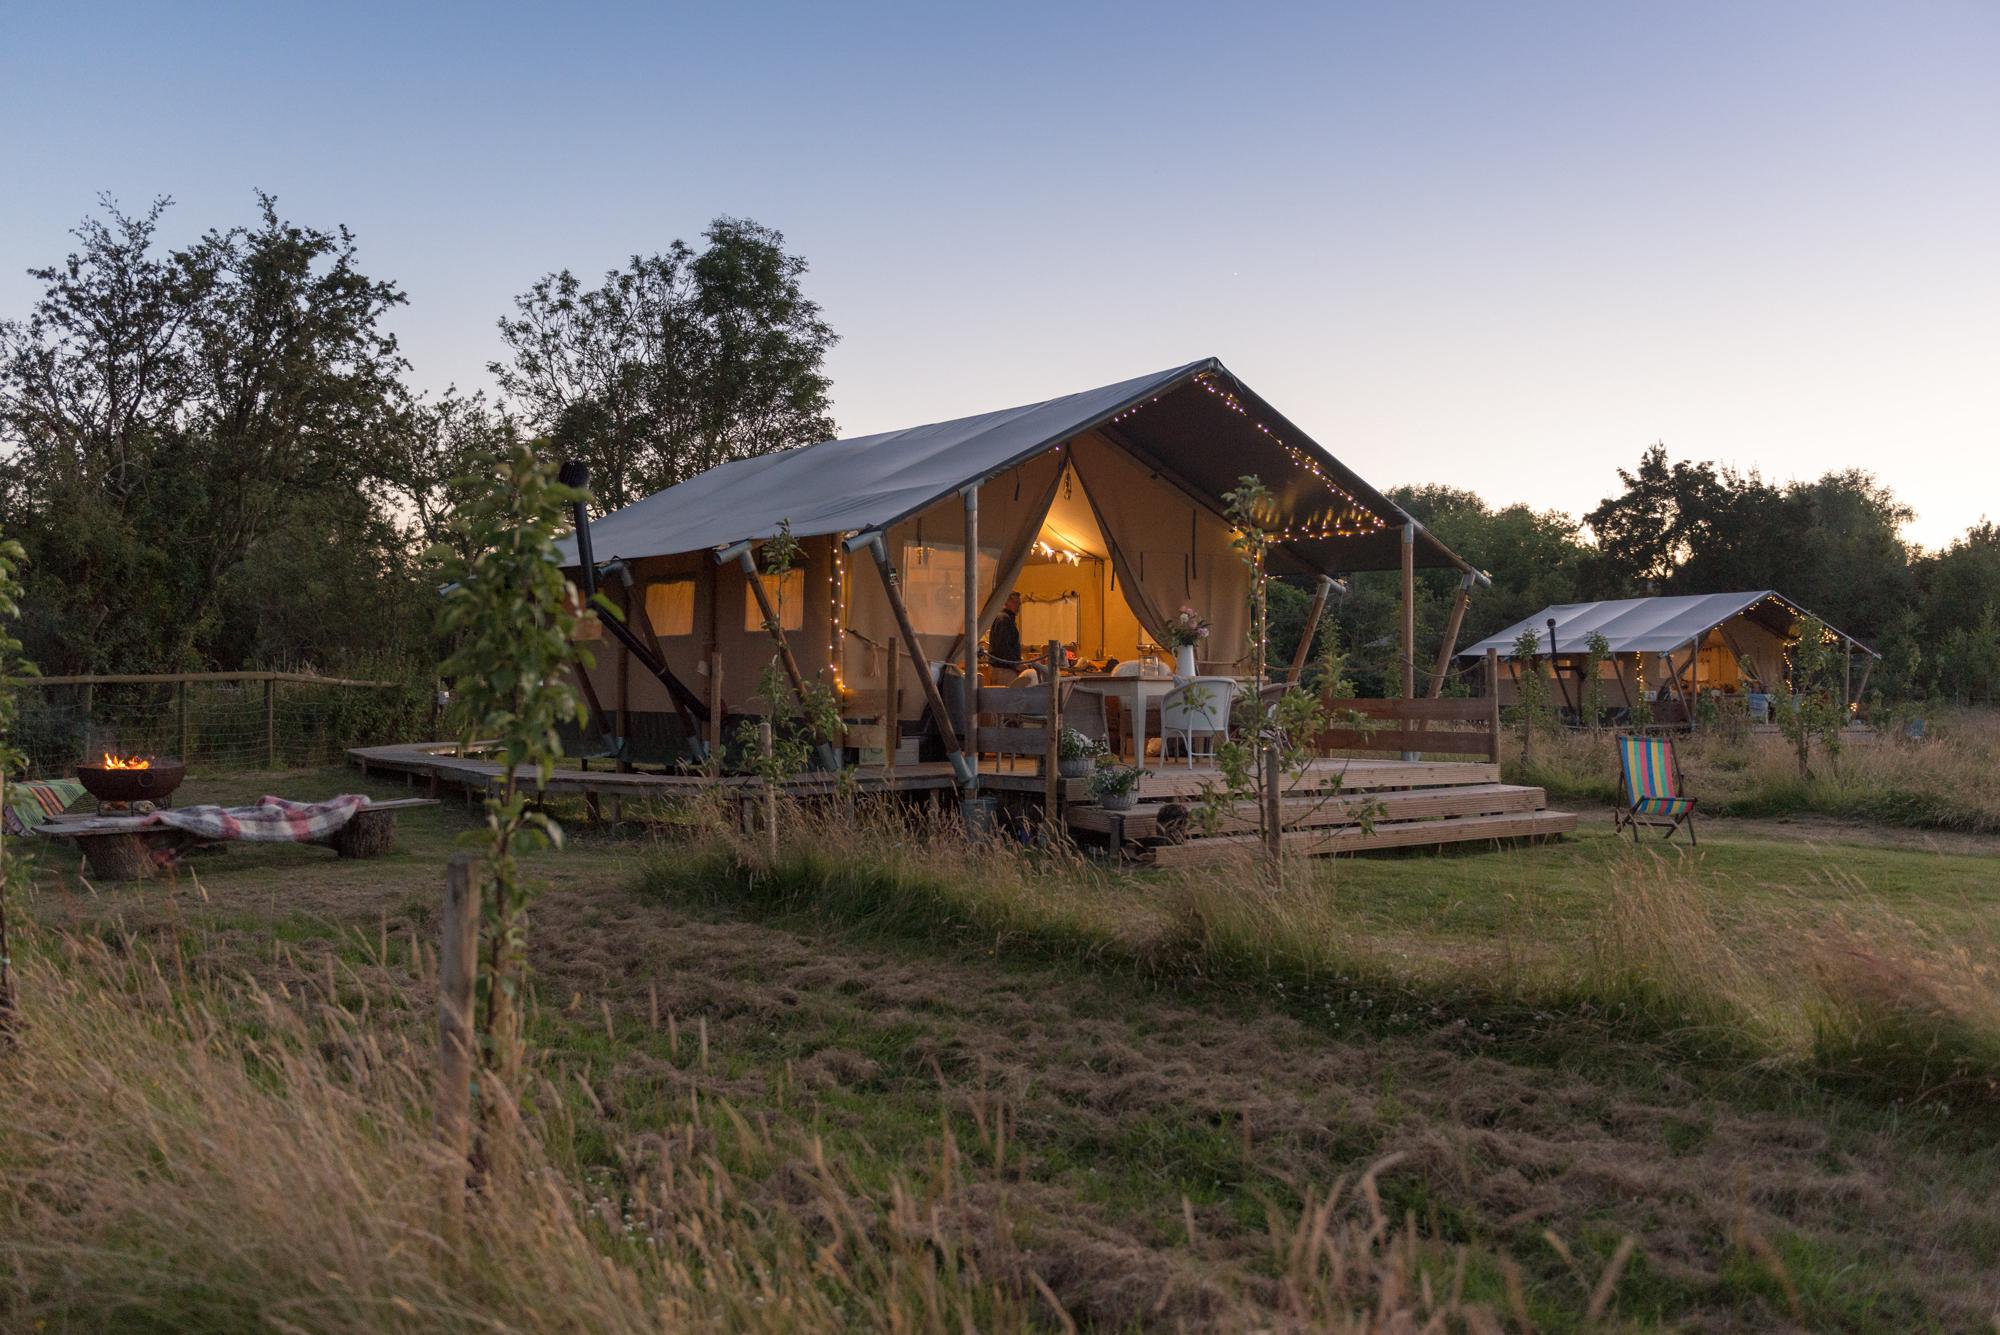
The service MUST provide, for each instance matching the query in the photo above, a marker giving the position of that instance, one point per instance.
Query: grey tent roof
(1650, 625)
(871, 482)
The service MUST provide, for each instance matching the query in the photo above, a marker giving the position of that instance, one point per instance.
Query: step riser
(1411, 834)
(1308, 813)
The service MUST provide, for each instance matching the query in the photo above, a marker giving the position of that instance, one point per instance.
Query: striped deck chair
(1649, 787)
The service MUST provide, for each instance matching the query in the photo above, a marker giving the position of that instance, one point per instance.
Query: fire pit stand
(120, 786)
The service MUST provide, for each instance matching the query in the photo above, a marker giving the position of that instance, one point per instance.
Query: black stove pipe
(693, 710)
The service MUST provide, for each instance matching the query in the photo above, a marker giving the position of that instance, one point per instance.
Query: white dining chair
(1198, 709)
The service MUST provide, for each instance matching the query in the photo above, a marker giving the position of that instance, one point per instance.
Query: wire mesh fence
(221, 721)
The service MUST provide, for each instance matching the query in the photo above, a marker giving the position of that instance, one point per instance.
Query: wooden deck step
(1481, 799)
(1351, 839)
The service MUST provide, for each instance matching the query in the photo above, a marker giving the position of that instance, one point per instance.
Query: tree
(440, 442)
(1685, 527)
(162, 414)
(509, 611)
(678, 362)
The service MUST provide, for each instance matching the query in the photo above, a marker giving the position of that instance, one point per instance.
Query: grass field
(886, 1080)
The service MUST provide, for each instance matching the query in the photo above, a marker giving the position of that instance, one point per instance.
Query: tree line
(214, 457)
(1833, 545)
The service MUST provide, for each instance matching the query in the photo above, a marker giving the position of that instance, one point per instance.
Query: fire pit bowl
(152, 784)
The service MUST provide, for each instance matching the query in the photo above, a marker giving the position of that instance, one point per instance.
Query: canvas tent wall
(1684, 646)
(1137, 471)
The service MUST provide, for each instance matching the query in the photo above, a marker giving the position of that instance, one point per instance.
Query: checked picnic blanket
(272, 821)
(31, 802)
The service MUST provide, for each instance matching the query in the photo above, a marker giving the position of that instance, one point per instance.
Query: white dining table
(1133, 694)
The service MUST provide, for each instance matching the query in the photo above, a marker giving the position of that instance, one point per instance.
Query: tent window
(934, 584)
(670, 606)
(787, 593)
(1045, 619)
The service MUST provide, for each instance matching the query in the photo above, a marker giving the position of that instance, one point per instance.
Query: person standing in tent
(1003, 642)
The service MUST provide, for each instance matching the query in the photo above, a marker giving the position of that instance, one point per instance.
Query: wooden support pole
(892, 710)
(458, 970)
(1303, 654)
(1052, 759)
(1694, 684)
(624, 710)
(1409, 624)
(1867, 666)
(715, 706)
(1493, 703)
(932, 696)
(186, 727)
(270, 722)
(1449, 645)
(1408, 655)
(970, 644)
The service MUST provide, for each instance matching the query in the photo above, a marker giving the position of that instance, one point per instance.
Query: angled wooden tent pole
(892, 590)
(1450, 642)
(1303, 654)
(748, 560)
(1861, 690)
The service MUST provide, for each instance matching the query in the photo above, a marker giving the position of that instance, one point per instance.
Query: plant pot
(1077, 768)
(1184, 661)
(1118, 801)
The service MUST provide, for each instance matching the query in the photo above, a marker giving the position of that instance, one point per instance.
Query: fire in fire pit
(131, 778)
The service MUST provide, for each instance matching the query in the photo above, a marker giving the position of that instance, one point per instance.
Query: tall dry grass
(1948, 780)
(1866, 997)
(186, 1155)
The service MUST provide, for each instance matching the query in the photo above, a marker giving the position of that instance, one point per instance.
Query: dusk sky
(1500, 246)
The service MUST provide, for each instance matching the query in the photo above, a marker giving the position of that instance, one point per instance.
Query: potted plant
(1184, 632)
(1076, 754)
(1116, 787)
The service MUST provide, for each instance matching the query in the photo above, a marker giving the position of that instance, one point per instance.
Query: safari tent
(1672, 650)
(1104, 509)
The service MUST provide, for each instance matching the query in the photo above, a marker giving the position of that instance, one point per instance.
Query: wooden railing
(1413, 726)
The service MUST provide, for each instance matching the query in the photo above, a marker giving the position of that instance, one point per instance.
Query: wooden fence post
(271, 722)
(187, 731)
(458, 968)
(770, 793)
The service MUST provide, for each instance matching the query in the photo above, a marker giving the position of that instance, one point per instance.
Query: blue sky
(1500, 246)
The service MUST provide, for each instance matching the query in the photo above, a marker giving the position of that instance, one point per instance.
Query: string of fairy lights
(1350, 518)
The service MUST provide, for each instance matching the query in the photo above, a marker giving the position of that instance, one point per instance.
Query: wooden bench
(130, 848)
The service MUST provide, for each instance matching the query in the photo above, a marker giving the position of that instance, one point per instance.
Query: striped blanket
(272, 821)
(31, 802)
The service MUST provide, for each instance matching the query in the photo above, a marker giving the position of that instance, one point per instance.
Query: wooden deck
(1340, 805)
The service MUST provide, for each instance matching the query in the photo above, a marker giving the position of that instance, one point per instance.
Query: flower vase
(1184, 661)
